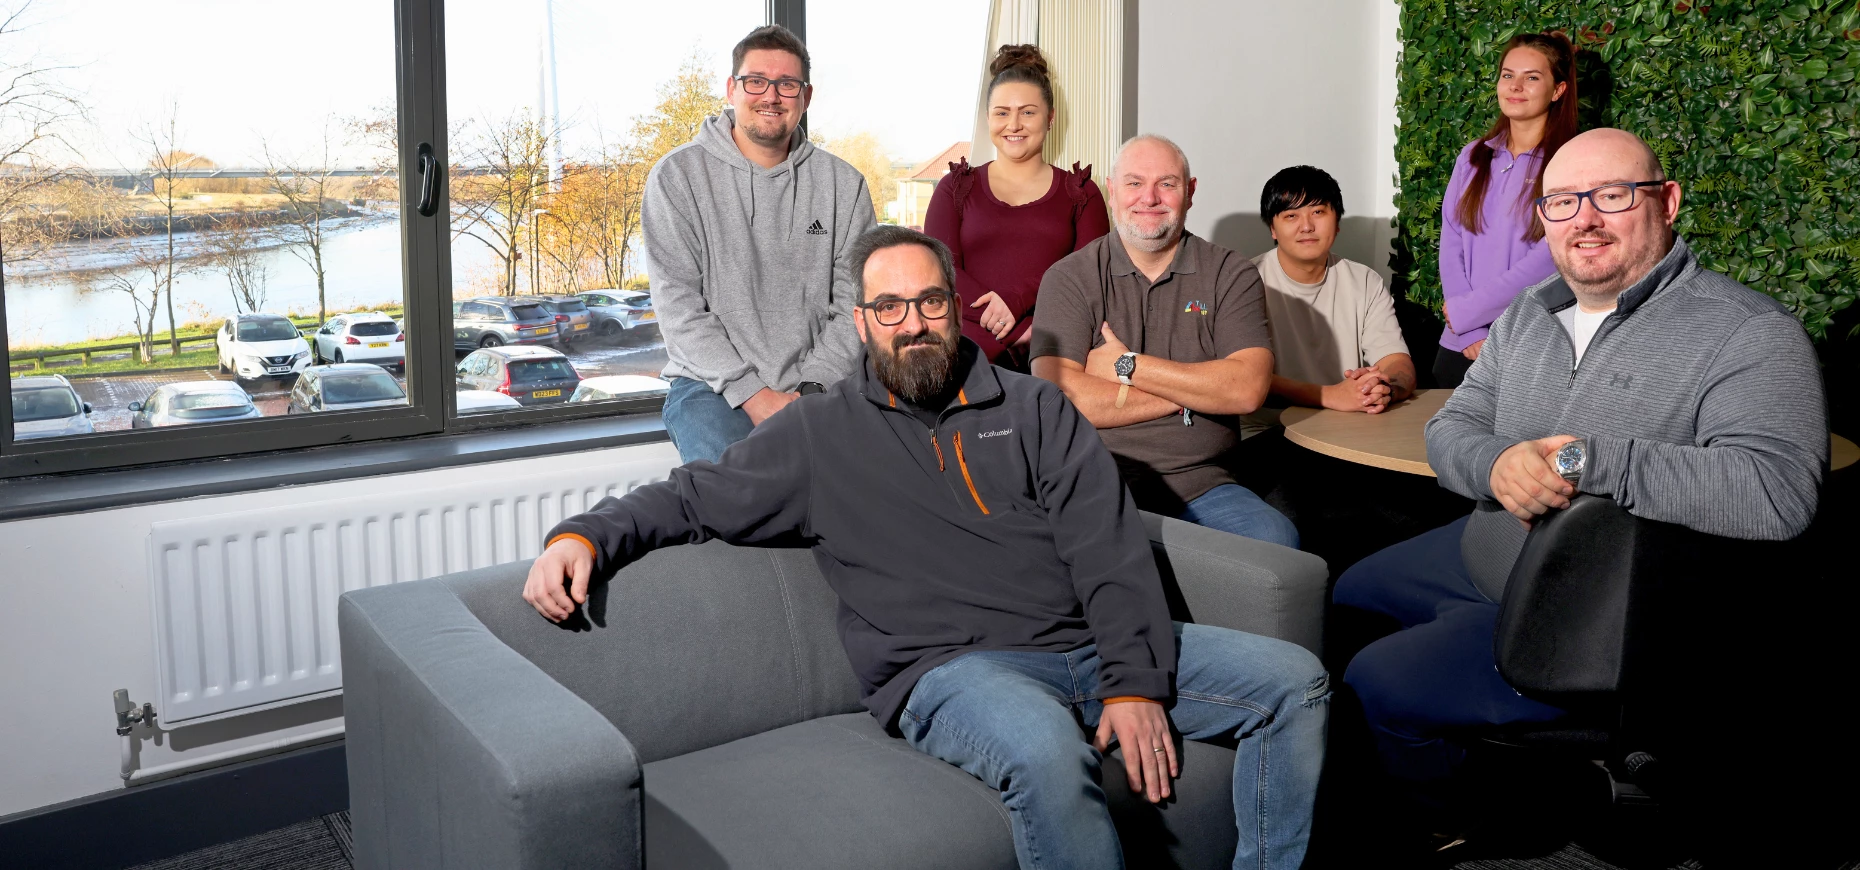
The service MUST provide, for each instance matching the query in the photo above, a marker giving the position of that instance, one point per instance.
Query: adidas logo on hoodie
(815, 229)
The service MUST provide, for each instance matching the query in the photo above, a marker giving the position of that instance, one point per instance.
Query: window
(185, 207)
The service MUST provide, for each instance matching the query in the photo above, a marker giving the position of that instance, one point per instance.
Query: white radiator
(245, 603)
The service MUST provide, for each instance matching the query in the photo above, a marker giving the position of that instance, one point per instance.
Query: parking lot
(636, 353)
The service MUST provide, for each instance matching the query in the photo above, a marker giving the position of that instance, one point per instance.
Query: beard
(767, 132)
(1164, 235)
(1600, 281)
(918, 375)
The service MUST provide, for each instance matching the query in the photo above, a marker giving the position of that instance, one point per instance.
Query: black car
(531, 375)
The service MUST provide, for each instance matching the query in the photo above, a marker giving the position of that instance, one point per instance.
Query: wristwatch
(1126, 366)
(1571, 459)
(808, 388)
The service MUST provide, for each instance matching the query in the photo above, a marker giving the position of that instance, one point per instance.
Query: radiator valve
(128, 716)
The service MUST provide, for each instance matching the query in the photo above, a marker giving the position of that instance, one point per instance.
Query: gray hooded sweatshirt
(748, 265)
(1701, 400)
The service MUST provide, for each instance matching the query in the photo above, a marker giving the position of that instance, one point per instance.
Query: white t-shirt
(1582, 328)
(1321, 330)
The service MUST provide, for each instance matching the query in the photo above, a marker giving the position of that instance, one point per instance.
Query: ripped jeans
(1023, 721)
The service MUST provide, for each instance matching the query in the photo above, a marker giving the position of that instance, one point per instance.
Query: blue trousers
(1234, 509)
(1437, 674)
(1022, 722)
(700, 422)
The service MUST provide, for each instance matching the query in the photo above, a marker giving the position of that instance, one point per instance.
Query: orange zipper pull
(939, 449)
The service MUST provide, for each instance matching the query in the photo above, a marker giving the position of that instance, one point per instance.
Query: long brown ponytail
(1559, 128)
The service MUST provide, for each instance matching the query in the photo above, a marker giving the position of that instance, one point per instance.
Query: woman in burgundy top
(1009, 219)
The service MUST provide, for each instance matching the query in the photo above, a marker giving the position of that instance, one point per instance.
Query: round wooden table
(1394, 439)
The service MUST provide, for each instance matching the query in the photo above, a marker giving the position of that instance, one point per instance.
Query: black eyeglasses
(933, 305)
(789, 88)
(1607, 199)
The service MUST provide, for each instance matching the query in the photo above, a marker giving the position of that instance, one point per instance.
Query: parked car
(616, 311)
(572, 318)
(480, 401)
(261, 345)
(603, 387)
(45, 406)
(362, 337)
(531, 375)
(343, 387)
(491, 321)
(192, 402)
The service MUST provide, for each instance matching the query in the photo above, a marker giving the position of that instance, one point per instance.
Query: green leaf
(1815, 68)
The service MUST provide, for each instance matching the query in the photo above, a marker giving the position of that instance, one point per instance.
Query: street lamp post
(535, 247)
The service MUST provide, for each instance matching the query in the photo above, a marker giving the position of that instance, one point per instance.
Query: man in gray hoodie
(746, 230)
(1634, 374)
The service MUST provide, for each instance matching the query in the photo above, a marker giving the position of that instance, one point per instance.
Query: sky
(240, 74)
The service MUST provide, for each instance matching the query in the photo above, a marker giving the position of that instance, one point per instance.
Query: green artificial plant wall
(1751, 107)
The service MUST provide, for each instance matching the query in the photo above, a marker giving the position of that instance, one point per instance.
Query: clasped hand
(1366, 389)
(1524, 482)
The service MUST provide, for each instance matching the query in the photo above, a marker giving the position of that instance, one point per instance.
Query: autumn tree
(866, 155)
(308, 210)
(495, 189)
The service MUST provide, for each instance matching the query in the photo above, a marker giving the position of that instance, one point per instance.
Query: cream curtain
(1083, 41)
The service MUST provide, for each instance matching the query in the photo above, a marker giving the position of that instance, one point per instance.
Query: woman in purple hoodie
(1491, 244)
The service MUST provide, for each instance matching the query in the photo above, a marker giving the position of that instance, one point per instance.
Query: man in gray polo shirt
(1634, 374)
(1159, 338)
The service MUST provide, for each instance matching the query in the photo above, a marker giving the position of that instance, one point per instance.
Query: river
(361, 259)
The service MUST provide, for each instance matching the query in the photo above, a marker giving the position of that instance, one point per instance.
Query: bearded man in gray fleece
(1678, 392)
(746, 230)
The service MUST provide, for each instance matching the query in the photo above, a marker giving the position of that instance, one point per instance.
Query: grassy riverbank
(124, 359)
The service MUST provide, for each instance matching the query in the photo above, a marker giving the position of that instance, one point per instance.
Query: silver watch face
(1569, 459)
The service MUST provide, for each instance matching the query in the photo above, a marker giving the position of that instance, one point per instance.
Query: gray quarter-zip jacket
(748, 265)
(1701, 400)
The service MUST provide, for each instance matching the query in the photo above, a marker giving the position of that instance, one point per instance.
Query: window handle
(429, 180)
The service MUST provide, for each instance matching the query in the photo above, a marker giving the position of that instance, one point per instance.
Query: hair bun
(1011, 56)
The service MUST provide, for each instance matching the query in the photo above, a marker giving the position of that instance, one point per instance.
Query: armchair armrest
(462, 753)
(1215, 578)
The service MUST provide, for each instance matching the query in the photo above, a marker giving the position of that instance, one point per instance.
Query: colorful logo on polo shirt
(1194, 307)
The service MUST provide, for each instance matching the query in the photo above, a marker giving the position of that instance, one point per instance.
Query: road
(109, 395)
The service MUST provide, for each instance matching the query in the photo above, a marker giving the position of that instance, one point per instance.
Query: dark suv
(490, 321)
(572, 317)
(531, 375)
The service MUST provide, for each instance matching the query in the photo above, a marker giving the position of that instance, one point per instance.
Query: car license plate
(580, 326)
(378, 344)
(278, 370)
(650, 315)
(544, 394)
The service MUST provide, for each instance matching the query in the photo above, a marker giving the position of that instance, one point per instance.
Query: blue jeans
(1022, 723)
(700, 422)
(1437, 675)
(1233, 508)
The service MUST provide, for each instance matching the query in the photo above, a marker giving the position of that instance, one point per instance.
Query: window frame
(427, 321)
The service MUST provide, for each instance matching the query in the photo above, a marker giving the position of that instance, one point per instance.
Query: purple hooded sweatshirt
(1480, 274)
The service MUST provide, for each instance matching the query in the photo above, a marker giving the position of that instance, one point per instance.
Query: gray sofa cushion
(838, 792)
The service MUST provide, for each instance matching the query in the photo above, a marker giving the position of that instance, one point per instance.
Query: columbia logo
(995, 433)
(815, 229)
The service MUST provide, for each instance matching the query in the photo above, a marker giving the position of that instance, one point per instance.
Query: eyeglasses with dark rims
(758, 85)
(1607, 199)
(891, 311)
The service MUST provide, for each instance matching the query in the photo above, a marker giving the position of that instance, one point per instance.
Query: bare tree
(378, 130)
(166, 162)
(308, 210)
(142, 276)
(503, 178)
(236, 250)
(35, 107)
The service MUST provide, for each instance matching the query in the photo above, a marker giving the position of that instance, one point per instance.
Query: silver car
(343, 387)
(191, 402)
(45, 406)
(619, 311)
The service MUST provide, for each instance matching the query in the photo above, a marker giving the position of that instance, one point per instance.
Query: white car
(619, 311)
(192, 402)
(364, 337)
(480, 401)
(604, 387)
(261, 346)
(45, 406)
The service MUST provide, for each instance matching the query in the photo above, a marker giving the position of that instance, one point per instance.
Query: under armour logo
(815, 229)
(1620, 381)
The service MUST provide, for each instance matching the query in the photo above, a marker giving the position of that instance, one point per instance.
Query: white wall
(1249, 87)
(76, 624)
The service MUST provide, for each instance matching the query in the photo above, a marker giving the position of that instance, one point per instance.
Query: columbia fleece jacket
(1004, 527)
(1701, 400)
(748, 265)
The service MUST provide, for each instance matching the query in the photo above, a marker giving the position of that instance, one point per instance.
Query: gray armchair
(703, 715)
